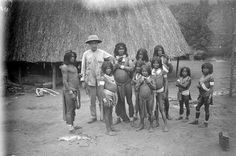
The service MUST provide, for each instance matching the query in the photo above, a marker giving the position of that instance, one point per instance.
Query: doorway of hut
(38, 74)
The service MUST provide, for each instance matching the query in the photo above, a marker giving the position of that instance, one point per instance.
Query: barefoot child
(71, 92)
(146, 97)
(160, 77)
(183, 84)
(108, 90)
(123, 70)
(167, 67)
(142, 55)
(136, 78)
(205, 87)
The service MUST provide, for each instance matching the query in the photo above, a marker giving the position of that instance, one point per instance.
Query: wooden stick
(20, 75)
(177, 67)
(53, 76)
(231, 85)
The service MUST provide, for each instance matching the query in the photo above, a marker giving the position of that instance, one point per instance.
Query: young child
(142, 55)
(146, 86)
(183, 84)
(205, 87)
(71, 91)
(137, 76)
(108, 90)
(168, 68)
(160, 77)
(123, 70)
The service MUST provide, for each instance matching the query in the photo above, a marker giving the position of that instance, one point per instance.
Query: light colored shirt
(91, 66)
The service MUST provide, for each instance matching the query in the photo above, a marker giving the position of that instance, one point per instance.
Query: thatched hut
(41, 31)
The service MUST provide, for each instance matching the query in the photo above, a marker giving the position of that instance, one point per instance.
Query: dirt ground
(33, 126)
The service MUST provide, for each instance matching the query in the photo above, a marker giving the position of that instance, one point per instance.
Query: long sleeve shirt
(91, 65)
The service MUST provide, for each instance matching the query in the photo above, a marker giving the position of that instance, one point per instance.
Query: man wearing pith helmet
(91, 72)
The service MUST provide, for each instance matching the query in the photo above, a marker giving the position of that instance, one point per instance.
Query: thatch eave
(44, 30)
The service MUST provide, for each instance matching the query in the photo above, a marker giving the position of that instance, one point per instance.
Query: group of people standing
(112, 79)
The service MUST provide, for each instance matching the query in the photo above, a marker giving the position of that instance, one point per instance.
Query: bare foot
(165, 129)
(77, 127)
(140, 128)
(114, 130)
(110, 133)
(118, 120)
(150, 128)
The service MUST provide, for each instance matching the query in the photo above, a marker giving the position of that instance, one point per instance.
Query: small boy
(108, 90)
(205, 87)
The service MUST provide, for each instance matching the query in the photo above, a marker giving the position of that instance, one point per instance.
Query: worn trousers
(93, 94)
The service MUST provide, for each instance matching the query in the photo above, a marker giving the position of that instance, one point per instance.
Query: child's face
(138, 69)
(72, 59)
(108, 71)
(156, 65)
(184, 72)
(140, 56)
(144, 72)
(160, 52)
(121, 51)
(205, 71)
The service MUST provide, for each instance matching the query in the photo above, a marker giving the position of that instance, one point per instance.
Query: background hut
(41, 31)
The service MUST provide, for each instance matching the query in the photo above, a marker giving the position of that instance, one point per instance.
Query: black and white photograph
(118, 77)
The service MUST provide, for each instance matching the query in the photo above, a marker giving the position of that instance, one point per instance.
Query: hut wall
(31, 73)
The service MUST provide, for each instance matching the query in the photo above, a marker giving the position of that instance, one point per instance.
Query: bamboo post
(232, 54)
(20, 74)
(177, 67)
(54, 76)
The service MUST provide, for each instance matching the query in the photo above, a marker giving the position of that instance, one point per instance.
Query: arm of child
(151, 83)
(165, 83)
(186, 84)
(130, 66)
(212, 83)
(101, 85)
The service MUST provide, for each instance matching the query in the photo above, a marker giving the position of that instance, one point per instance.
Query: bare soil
(34, 124)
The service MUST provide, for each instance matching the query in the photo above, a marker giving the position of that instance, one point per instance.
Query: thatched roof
(44, 30)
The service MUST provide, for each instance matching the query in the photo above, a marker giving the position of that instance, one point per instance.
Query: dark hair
(147, 67)
(209, 66)
(187, 69)
(105, 65)
(145, 54)
(68, 55)
(156, 59)
(118, 46)
(156, 48)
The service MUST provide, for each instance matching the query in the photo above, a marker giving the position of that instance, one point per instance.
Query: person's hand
(209, 99)
(105, 101)
(72, 90)
(83, 85)
(164, 95)
(120, 59)
(117, 66)
(147, 80)
(77, 106)
(80, 75)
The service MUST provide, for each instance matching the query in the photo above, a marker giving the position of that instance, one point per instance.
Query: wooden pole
(232, 54)
(20, 74)
(177, 67)
(54, 74)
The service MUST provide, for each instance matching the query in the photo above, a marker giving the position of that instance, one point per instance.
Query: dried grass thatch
(44, 30)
